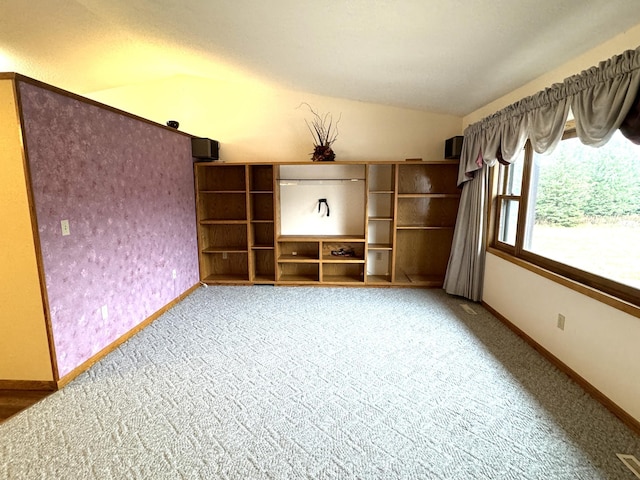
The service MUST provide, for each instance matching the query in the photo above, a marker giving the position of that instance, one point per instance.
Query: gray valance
(600, 98)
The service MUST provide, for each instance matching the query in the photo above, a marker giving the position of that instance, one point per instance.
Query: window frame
(498, 184)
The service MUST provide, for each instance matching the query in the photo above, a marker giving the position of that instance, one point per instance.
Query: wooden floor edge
(613, 407)
(35, 385)
(115, 344)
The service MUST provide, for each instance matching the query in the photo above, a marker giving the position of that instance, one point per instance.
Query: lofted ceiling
(445, 56)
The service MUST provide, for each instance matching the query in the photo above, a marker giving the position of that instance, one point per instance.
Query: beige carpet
(319, 383)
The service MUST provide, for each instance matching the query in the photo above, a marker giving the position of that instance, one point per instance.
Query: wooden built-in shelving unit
(409, 213)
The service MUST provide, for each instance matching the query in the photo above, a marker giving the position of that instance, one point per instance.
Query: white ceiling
(447, 56)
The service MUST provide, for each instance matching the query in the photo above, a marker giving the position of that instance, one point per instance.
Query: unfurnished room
(320, 240)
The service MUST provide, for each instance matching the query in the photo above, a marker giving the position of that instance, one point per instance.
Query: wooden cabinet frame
(410, 210)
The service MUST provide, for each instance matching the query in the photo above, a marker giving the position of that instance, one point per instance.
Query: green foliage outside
(579, 184)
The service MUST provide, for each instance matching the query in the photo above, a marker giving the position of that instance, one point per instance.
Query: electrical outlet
(64, 225)
(105, 312)
(561, 320)
(174, 274)
(224, 255)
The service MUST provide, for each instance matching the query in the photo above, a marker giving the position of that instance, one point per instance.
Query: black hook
(320, 202)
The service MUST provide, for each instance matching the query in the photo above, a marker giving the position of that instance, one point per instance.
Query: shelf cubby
(264, 266)
(435, 177)
(261, 178)
(380, 205)
(331, 251)
(224, 267)
(263, 234)
(379, 263)
(221, 178)
(222, 206)
(262, 206)
(422, 256)
(294, 250)
(380, 231)
(299, 273)
(340, 273)
(430, 210)
(380, 177)
(223, 237)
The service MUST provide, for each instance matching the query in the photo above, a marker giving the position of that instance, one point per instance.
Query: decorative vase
(323, 153)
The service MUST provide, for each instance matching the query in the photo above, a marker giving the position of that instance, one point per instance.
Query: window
(575, 212)
(509, 200)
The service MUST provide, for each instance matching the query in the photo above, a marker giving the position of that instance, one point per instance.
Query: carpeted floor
(319, 383)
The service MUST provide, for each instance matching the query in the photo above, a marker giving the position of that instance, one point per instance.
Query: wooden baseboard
(111, 347)
(41, 385)
(614, 408)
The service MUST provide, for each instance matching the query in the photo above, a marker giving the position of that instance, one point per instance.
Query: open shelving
(221, 211)
(380, 222)
(391, 223)
(427, 206)
(321, 259)
(262, 207)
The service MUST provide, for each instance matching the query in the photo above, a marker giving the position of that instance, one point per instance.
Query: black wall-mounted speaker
(205, 148)
(453, 147)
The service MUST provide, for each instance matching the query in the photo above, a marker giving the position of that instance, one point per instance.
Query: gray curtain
(599, 98)
(467, 253)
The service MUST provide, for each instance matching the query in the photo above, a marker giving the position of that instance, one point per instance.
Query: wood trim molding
(590, 292)
(111, 347)
(22, 78)
(40, 385)
(36, 234)
(614, 408)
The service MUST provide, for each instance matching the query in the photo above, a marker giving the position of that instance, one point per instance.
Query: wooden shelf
(379, 279)
(410, 210)
(340, 279)
(299, 272)
(416, 178)
(422, 227)
(320, 238)
(226, 278)
(420, 280)
(224, 250)
(217, 221)
(298, 279)
(298, 259)
(380, 246)
(428, 195)
(263, 265)
(337, 259)
(224, 192)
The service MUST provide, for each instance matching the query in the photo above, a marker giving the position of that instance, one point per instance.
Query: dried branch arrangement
(324, 132)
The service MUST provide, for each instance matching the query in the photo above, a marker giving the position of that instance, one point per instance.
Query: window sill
(572, 284)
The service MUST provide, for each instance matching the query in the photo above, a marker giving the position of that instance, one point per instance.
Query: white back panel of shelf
(299, 209)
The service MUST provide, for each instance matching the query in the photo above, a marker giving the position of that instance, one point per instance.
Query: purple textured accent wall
(126, 188)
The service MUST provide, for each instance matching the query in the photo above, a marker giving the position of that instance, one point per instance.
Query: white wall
(258, 122)
(599, 342)
(342, 186)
